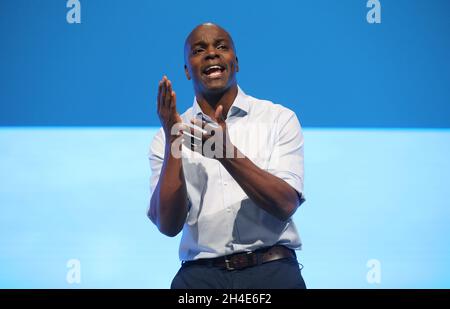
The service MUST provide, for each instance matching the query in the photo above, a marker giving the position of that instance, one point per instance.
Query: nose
(211, 53)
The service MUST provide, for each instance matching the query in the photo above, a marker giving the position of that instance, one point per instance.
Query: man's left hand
(212, 140)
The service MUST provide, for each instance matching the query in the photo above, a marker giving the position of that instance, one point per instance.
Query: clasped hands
(210, 139)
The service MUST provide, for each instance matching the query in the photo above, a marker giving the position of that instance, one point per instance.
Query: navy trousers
(279, 274)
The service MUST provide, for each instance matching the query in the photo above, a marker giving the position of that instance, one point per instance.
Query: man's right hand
(167, 108)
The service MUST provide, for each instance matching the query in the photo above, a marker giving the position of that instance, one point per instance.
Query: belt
(246, 259)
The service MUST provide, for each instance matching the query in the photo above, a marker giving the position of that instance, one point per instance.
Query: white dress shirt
(222, 219)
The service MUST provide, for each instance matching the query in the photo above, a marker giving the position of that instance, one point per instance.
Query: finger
(173, 107)
(168, 94)
(198, 122)
(173, 101)
(199, 126)
(218, 115)
(163, 92)
(196, 131)
(158, 102)
(190, 140)
(192, 131)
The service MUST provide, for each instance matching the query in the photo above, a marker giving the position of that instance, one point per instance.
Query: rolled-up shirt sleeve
(156, 159)
(286, 160)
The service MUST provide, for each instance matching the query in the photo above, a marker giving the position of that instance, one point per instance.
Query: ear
(186, 71)
(237, 64)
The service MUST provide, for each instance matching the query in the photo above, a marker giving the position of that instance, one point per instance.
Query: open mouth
(214, 71)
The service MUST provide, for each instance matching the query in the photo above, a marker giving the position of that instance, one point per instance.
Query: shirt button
(225, 183)
(228, 209)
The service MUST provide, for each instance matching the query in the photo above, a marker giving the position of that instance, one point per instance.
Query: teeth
(213, 67)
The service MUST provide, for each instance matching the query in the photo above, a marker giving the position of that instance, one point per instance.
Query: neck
(208, 102)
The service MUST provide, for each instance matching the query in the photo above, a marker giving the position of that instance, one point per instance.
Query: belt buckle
(229, 265)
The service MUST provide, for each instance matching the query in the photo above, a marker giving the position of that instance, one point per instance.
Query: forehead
(207, 33)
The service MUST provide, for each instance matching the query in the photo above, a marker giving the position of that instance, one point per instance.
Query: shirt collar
(240, 105)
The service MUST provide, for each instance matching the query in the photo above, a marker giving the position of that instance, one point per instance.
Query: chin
(215, 86)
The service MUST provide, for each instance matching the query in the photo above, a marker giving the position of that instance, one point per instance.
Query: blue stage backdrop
(321, 58)
(369, 81)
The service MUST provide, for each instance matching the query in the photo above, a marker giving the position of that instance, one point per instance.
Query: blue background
(77, 114)
(320, 58)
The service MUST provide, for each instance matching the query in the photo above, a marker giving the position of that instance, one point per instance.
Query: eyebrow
(203, 43)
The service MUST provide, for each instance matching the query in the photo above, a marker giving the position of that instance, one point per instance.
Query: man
(234, 199)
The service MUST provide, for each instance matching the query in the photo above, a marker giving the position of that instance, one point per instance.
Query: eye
(222, 46)
(197, 50)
